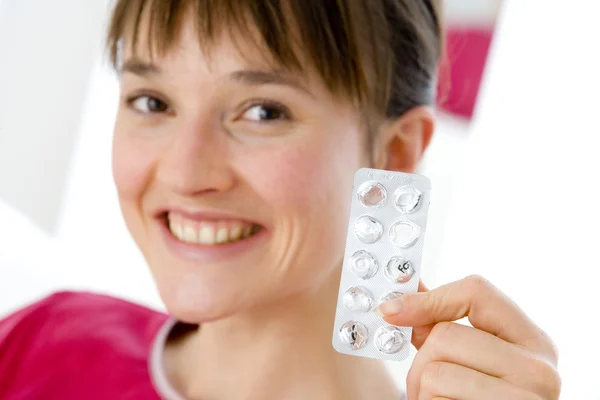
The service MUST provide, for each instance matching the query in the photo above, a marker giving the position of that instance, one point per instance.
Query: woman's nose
(196, 160)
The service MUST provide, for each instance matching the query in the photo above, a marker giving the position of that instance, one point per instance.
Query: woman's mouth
(209, 232)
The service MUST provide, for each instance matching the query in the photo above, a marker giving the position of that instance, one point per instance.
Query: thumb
(420, 333)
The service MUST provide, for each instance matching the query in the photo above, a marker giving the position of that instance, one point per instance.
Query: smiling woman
(239, 129)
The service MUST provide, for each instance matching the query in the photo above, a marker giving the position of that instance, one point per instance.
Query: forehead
(312, 40)
(186, 42)
(188, 63)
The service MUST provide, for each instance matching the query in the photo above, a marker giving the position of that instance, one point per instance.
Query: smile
(210, 232)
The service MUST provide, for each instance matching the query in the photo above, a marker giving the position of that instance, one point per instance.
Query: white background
(516, 195)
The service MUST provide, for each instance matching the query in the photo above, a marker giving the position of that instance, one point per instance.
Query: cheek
(131, 167)
(298, 176)
(309, 179)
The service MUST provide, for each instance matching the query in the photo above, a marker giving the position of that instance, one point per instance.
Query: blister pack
(382, 260)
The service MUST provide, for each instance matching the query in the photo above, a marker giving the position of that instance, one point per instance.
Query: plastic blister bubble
(364, 264)
(354, 335)
(358, 299)
(372, 194)
(382, 260)
(407, 199)
(389, 339)
(404, 233)
(399, 269)
(368, 229)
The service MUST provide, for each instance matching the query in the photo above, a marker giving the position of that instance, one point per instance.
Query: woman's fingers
(420, 333)
(486, 307)
(446, 380)
(504, 352)
(483, 352)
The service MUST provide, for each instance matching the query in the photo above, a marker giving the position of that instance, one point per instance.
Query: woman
(239, 130)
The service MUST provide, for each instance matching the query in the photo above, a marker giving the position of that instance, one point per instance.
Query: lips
(209, 230)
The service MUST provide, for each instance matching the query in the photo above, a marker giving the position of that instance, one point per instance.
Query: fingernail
(390, 307)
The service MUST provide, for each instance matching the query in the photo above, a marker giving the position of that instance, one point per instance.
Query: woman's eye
(148, 104)
(263, 112)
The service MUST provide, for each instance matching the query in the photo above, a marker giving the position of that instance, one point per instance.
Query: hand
(503, 356)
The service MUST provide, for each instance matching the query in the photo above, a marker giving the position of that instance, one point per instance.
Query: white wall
(525, 213)
(90, 226)
(48, 48)
(471, 12)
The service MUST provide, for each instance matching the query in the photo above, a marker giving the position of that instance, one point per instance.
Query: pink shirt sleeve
(74, 345)
(17, 332)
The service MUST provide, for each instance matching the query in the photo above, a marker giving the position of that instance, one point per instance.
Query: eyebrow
(140, 67)
(143, 68)
(260, 77)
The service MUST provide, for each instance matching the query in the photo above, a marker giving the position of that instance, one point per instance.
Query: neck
(280, 351)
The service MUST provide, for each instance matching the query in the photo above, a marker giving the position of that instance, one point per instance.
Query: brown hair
(381, 53)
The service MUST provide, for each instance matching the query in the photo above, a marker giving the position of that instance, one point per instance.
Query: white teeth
(207, 235)
(177, 229)
(222, 235)
(235, 233)
(210, 233)
(189, 234)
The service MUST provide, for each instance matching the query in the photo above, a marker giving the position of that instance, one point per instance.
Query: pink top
(84, 346)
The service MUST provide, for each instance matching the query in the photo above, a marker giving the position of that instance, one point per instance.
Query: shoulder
(69, 314)
(69, 330)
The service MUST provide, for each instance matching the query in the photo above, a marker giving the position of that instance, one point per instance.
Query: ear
(402, 142)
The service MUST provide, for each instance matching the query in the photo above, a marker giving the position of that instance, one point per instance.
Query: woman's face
(233, 177)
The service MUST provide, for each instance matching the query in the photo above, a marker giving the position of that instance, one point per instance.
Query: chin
(200, 301)
(195, 308)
